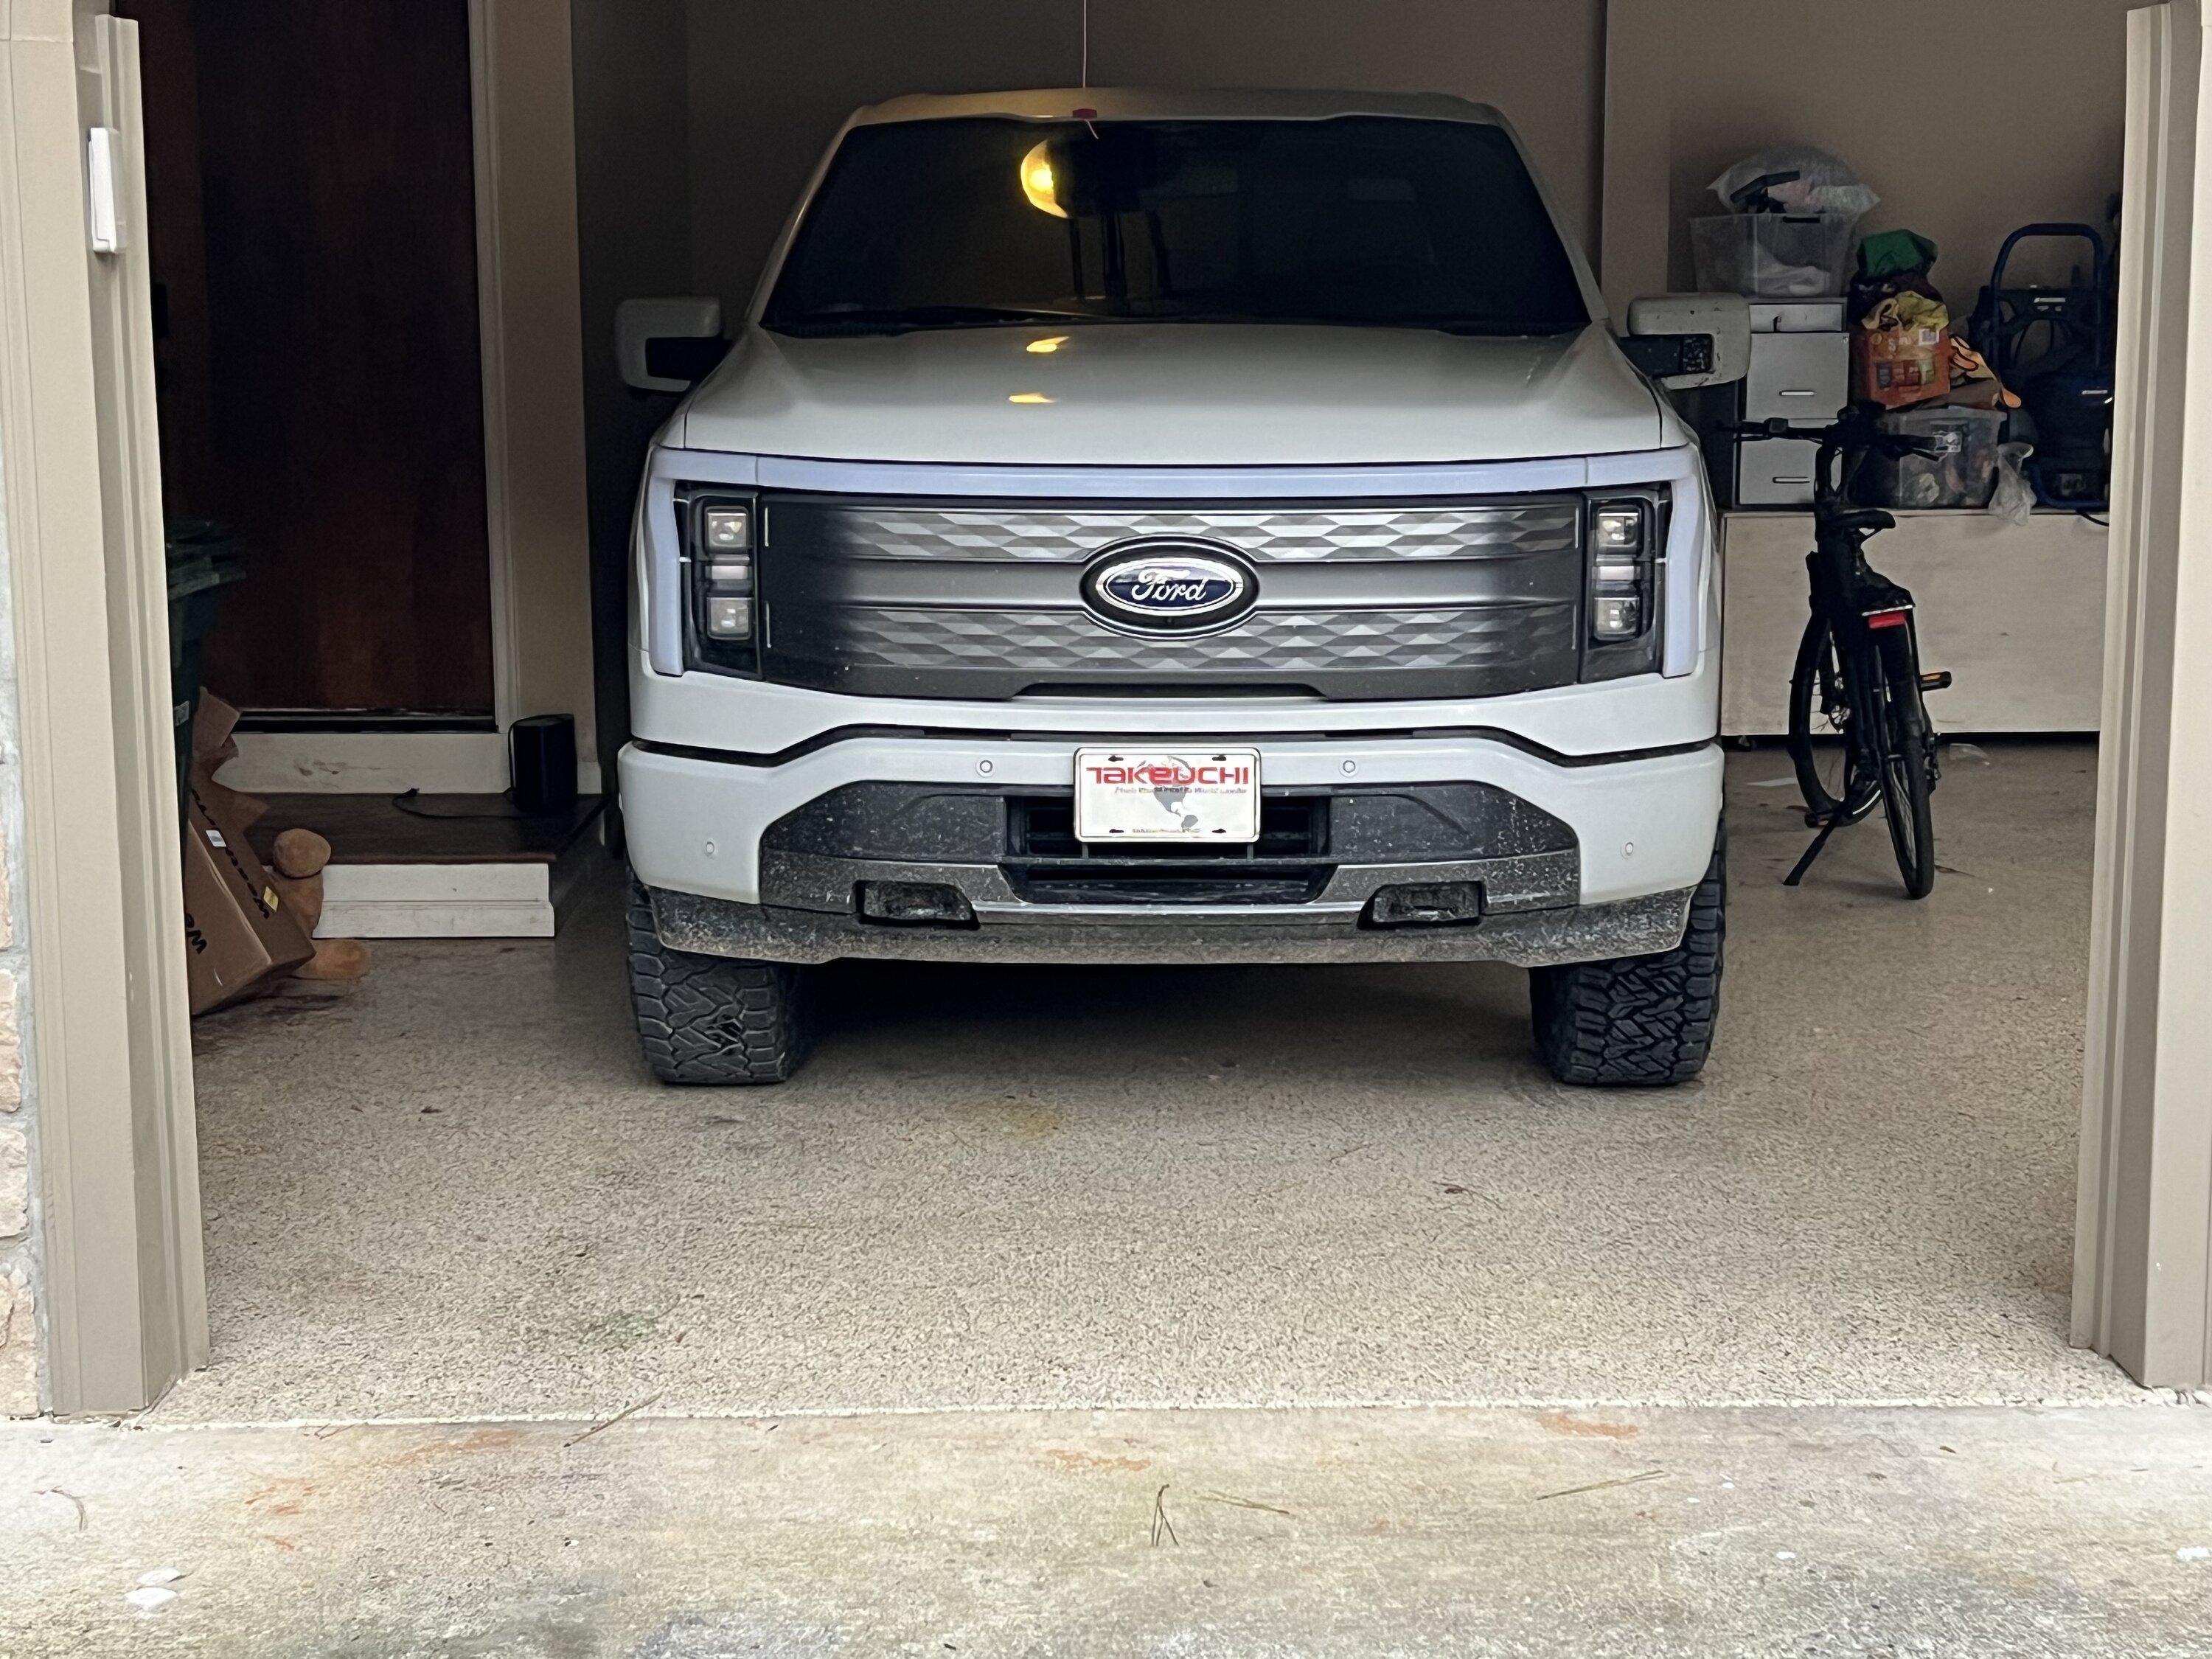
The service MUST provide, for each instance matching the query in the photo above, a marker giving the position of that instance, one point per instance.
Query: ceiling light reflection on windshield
(1039, 184)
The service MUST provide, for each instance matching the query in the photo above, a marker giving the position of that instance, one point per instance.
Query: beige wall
(769, 83)
(1969, 117)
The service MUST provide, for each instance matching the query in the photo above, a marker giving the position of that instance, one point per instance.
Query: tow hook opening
(912, 904)
(1429, 904)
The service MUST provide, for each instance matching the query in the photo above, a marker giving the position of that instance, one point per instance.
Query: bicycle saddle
(1858, 521)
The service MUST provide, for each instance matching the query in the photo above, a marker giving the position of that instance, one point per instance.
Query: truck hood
(1136, 394)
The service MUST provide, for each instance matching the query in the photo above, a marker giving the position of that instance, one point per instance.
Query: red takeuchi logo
(1170, 774)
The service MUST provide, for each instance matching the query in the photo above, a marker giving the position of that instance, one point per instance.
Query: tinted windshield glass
(1367, 220)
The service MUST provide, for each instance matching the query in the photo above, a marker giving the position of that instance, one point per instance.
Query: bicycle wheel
(1907, 779)
(1831, 771)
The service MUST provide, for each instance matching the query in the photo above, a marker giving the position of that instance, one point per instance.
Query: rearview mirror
(1683, 340)
(668, 345)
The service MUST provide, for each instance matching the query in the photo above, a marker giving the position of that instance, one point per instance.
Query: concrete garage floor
(896, 1343)
(453, 1192)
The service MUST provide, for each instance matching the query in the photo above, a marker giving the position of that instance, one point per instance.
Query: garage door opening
(452, 1189)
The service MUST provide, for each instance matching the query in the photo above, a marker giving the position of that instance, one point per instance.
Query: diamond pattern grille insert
(1356, 600)
(1075, 535)
(1052, 642)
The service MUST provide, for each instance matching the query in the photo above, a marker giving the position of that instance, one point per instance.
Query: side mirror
(668, 345)
(1683, 340)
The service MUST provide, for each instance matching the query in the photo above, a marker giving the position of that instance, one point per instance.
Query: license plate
(1167, 794)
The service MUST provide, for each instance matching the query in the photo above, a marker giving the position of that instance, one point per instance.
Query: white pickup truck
(1160, 527)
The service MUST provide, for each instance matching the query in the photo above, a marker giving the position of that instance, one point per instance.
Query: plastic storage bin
(1964, 473)
(1773, 256)
(203, 560)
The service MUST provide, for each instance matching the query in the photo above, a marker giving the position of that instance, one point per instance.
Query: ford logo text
(1168, 587)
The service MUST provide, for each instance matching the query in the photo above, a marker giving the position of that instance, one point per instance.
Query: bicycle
(1859, 731)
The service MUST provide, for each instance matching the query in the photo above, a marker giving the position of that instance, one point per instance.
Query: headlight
(1624, 534)
(1620, 570)
(722, 587)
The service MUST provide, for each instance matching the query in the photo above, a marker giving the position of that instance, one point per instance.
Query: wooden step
(441, 866)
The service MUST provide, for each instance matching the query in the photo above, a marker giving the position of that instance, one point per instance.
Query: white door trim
(530, 303)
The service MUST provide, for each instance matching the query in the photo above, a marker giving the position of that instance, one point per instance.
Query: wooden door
(311, 194)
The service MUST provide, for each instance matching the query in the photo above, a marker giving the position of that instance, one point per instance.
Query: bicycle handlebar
(1851, 433)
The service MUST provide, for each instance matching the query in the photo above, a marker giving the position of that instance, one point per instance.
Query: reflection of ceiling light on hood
(1029, 397)
(1047, 346)
(1039, 184)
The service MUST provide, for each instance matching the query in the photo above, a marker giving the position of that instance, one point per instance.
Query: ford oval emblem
(1169, 586)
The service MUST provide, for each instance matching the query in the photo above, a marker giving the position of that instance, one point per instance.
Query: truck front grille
(1047, 865)
(1042, 827)
(884, 598)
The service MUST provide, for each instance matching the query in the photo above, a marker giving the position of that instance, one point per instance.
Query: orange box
(1897, 366)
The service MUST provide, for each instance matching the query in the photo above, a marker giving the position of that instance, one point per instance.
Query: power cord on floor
(410, 802)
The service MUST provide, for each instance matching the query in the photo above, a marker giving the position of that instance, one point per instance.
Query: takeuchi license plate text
(1156, 773)
(1167, 794)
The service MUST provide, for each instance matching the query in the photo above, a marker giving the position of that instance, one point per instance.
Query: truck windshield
(1362, 221)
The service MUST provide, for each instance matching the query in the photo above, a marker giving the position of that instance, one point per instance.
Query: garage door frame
(116, 1190)
(117, 1204)
(2143, 1288)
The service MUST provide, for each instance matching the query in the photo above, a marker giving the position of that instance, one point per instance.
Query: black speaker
(541, 749)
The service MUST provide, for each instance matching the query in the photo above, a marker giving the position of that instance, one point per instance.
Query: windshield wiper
(899, 320)
(1495, 327)
(902, 319)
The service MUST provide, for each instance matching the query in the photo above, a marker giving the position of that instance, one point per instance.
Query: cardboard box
(238, 931)
(213, 722)
(214, 744)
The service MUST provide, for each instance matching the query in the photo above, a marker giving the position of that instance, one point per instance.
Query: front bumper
(1536, 939)
(1628, 840)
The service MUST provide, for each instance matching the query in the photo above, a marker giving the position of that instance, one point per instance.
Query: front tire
(1637, 1022)
(712, 1020)
(1820, 732)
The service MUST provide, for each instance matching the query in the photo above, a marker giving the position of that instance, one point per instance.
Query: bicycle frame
(1862, 607)
(1858, 667)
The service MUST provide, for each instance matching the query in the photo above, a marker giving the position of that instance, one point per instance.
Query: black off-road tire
(1637, 1022)
(712, 1020)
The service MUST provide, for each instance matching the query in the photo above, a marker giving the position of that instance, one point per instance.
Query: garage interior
(1829, 1225)
(449, 1192)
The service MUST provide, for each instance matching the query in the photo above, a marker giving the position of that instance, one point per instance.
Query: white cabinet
(1803, 379)
(1776, 471)
(2016, 612)
(1800, 373)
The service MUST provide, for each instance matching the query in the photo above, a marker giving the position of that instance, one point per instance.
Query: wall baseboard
(378, 763)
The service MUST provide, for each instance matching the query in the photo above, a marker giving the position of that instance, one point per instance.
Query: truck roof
(1158, 103)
